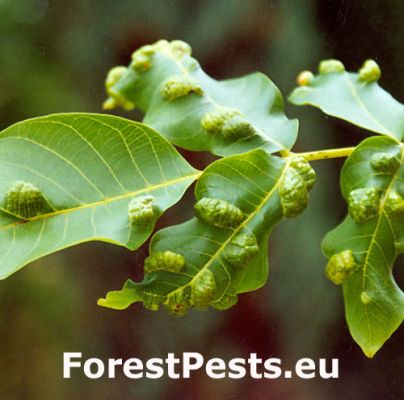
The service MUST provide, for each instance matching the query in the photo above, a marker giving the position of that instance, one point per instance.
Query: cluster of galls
(364, 205)
(368, 73)
(228, 123)
(243, 245)
(24, 200)
(298, 179)
(199, 293)
(142, 61)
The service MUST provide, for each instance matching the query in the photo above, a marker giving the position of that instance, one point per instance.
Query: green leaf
(69, 178)
(197, 112)
(374, 232)
(213, 246)
(351, 97)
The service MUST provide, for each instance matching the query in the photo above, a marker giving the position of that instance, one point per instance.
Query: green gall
(225, 302)
(203, 289)
(25, 200)
(180, 48)
(218, 213)
(365, 298)
(162, 45)
(176, 49)
(164, 260)
(148, 49)
(370, 71)
(114, 75)
(141, 58)
(237, 128)
(115, 98)
(213, 121)
(364, 204)
(241, 249)
(109, 104)
(305, 78)
(303, 167)
(340, 266)
(330, 66)
(178, 302)
(394, 203)
(141, 209)
(293, 193)
(228, 122)
(385, 162)
(140, 62)
(179, 86)
(151, 302)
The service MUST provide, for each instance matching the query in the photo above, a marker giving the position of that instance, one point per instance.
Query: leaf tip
(102, 302)
(371, 351)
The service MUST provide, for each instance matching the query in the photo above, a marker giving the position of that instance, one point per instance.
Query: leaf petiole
(326, 154)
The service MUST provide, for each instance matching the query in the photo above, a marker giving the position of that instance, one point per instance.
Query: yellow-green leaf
(72, 178)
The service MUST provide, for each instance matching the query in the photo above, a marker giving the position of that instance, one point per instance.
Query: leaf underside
(374, 303)
(88, 167)
(180, 120)
(344, 95)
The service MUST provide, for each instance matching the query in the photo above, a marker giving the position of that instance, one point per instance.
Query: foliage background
(53, 58)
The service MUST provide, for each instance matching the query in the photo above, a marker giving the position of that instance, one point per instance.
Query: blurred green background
(53, 58)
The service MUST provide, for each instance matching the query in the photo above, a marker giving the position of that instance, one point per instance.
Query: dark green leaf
(374, 303)
(251, 183)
